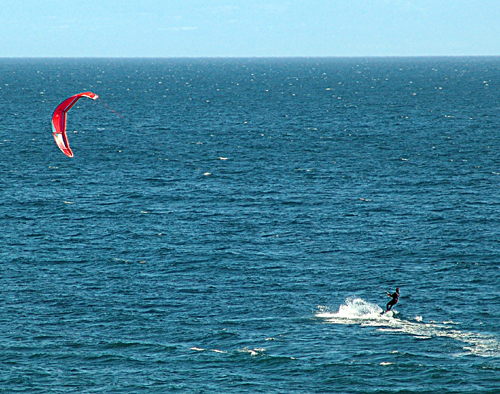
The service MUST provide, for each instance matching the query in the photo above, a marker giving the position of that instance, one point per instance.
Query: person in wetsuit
(394, 301)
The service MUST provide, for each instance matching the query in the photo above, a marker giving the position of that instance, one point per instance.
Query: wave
(364, 313)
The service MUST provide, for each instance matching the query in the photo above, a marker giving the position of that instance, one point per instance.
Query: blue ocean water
(233, 226)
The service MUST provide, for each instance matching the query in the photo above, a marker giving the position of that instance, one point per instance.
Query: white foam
(355, 310)
(253, 352)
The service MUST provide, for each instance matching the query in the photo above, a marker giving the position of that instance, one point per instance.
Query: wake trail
(356, 311)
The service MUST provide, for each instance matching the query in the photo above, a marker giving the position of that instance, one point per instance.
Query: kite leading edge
(59, 121)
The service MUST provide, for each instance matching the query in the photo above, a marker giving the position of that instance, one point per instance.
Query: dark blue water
(237, 227)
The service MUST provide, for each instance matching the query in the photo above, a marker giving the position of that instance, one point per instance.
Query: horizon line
(252, 57)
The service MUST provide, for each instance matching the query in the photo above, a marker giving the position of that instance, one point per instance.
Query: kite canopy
(59, 121)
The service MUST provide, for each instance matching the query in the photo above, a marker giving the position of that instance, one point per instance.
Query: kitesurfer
(394, 301)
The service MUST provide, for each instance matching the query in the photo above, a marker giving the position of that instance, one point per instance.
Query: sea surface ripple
(233, 226)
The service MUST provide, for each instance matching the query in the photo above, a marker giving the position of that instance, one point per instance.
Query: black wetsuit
(394, 301)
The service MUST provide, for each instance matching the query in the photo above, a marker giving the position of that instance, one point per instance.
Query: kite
(59, 121)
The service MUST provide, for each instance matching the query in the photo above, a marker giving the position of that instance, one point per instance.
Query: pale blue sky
(236, 28)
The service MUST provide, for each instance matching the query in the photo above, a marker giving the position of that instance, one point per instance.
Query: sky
(249, 28)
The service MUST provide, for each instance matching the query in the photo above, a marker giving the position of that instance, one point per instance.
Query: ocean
(233, 226)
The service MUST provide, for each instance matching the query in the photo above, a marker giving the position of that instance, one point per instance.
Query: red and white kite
(59, 121)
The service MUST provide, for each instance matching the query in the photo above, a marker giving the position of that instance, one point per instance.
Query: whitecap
(253, 352)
